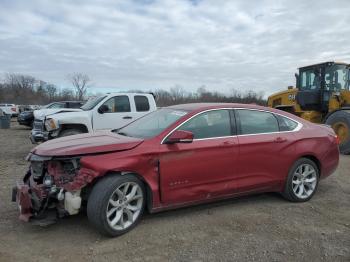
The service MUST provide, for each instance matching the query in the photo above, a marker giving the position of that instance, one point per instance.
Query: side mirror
(103, 109)
(180, 136)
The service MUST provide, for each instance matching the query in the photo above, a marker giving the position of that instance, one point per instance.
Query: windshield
(336, 78)
(152, 124)
(92, 103)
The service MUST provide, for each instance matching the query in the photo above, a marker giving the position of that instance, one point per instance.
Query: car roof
(205, 106)
(197, 107)
(127, 93)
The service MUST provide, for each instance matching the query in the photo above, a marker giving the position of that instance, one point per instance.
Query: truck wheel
(116, 204)
(302, 181)
(340, 122)
(70, 132)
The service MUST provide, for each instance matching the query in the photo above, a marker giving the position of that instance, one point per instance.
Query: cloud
(159, 44)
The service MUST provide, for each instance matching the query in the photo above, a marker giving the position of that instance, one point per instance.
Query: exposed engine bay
(51, 189)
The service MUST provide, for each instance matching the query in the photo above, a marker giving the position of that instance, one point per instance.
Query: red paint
(99, 142)
(202, 170)
(24, 202)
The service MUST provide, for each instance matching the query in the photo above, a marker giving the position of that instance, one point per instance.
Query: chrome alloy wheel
(304, 181)
(124, 205)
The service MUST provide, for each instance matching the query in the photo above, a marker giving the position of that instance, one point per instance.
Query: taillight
(337, 140)
(13, 109)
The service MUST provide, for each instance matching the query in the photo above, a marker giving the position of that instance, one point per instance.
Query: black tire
(99, 199)
(343, 117)
(288, 192)
(70, 132)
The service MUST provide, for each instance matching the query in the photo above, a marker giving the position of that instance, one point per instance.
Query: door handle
(228, 143)
(127, 117)
(280, 139)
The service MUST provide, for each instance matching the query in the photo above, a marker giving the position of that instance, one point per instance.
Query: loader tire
(340, 122)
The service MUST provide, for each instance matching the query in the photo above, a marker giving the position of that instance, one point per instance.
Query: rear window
(74, 105)
(141, 103)
(286, 124)
(56, 105)
(257, 122)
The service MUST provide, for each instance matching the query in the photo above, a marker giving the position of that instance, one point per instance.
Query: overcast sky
(159, 44)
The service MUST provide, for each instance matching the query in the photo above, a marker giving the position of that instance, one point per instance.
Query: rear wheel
(340, 122)
(302, 181)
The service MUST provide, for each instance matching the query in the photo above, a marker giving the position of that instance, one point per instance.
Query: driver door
(204, 168)
(118, 114)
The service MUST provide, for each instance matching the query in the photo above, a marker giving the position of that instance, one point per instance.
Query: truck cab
(109, 111)
(321, 95)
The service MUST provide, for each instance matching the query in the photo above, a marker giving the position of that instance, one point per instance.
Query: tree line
(27, 90)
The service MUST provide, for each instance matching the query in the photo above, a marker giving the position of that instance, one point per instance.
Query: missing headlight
(71, 166)
(37, 169)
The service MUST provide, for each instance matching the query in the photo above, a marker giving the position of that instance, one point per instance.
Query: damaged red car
(174, 157)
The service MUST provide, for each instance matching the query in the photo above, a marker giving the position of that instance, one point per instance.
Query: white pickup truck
(110, 111)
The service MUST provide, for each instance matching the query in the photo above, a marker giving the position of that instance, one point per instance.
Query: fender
(145, 166)
(74, 118)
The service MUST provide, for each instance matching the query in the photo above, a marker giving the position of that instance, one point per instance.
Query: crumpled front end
(52, 188)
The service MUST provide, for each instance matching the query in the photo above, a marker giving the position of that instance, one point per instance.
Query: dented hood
(91, 143)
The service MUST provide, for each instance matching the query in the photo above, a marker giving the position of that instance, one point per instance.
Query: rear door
(265, 153)
(142, 106)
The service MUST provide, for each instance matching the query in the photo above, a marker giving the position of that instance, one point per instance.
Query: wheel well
(149, 195)
(81, 127)
(315, 160)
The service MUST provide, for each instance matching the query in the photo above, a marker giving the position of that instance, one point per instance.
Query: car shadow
(207, 207)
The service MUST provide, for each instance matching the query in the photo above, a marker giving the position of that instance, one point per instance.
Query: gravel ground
(263, 227)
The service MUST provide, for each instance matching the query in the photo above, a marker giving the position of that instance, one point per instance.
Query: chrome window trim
(298, 127)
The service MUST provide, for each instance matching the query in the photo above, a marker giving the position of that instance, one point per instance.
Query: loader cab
(317, 83)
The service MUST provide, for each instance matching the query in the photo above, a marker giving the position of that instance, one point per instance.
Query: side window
(214, 123)
(286, 124)
(256, 122)
(118, 104)
(141, 103)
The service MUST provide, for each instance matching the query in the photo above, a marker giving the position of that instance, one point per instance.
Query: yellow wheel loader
(321, 95)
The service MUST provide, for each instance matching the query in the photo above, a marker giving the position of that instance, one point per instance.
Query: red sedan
(176, 156)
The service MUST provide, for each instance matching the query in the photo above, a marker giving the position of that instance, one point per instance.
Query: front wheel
(302, 181)
(116, 204)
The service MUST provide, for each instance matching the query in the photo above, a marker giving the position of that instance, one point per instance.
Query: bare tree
(66, 94)
(20, 81)
(51, 91)
(80, 82)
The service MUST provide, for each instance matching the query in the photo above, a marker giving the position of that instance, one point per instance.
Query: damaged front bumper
(41, 204)
(21, 195)
(38, 136)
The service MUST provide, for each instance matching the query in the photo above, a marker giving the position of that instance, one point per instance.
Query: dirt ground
(263, 227)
